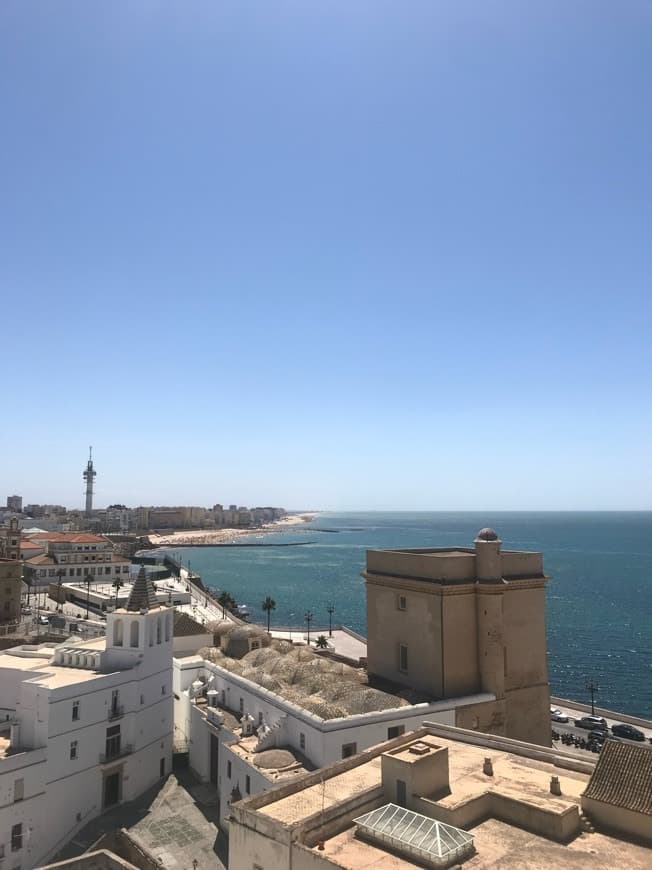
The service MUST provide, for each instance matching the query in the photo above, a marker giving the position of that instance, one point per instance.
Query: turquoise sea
(599, 597)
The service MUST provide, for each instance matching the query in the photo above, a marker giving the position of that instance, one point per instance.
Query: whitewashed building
(83, 726)
(244, 739)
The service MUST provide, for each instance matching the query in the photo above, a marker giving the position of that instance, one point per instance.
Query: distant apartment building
(168, 518)
(455, 621)
(15, 503)
(78, 555)
(242, 517)
(84, 726)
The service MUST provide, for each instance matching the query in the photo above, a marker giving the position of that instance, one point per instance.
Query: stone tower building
(453, 622)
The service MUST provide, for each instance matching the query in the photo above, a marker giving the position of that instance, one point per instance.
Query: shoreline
(215, 537)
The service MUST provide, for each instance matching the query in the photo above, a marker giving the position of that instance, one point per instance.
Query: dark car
(598, 735)
(592, 722)
(628, 731)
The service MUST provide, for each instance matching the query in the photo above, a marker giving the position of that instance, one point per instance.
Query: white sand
(226, 536)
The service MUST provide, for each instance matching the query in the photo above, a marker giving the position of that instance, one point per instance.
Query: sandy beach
(188, 537)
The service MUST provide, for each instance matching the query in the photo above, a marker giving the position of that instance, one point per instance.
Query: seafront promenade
(197, 537)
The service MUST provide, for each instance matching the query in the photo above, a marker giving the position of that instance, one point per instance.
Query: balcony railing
(106, 757)
(116, 712)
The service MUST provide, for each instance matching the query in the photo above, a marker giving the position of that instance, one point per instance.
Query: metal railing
(116, 712)
(106, 757)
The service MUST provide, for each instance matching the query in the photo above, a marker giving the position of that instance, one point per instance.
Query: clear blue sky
(334, 254)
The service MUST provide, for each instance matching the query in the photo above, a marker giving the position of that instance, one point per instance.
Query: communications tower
(89, 476)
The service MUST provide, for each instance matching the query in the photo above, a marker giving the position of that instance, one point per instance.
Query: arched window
(150, 633)
(117, 633)
(168, 624)
(133, 636)
(158, 630)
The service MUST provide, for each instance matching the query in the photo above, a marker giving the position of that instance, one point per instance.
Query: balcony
(115, 712)
(115, 754)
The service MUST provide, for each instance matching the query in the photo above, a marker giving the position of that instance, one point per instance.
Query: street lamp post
(331, 611)
(308, 618)
(60, 574)
(87, 580)
(592, 688)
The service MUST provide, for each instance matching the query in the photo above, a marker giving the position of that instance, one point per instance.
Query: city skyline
(368, 256)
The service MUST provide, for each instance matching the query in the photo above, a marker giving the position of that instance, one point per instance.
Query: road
(574, 713)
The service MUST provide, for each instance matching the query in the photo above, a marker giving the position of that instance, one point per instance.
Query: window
(73, 749)
(302, 741)
(158, 630)
(395, 731)
(17, 838)
(163, 689)
(112, 741)
(260, 718)
(248, 784)
(142, 699)
(402, 657)
(349, 749)
(133, 633)
(401, 602)
(75, 711)
(228, 769)
(71, 572)
(242, 705)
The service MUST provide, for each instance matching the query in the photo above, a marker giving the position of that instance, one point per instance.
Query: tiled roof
(28, 545)
(623, 777)
(143, 594)
(42, 559)
(184, 625)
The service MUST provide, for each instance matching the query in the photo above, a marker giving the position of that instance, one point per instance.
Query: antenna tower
(89, 476)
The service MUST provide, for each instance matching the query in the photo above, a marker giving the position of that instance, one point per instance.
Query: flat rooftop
(522, 777)
(500, 845)
(39, 660)
(294, 808)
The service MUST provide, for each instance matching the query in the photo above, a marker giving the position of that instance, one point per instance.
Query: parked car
(598, 735)
(557, 716)
(621, 729)
(43, 619)
(592, 722)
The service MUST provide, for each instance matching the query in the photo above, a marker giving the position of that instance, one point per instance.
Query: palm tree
(268, 605)
(321, 642)
(224, 599)
(117, 585)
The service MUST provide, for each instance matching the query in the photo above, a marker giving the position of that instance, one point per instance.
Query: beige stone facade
(456, 621)
(10, 590)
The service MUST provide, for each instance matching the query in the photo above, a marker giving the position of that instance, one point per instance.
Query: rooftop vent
(414, 835)
(419, 748)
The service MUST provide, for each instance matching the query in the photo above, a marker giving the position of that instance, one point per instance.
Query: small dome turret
(486, 535)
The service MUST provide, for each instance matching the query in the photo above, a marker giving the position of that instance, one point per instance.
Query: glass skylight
(411, 833)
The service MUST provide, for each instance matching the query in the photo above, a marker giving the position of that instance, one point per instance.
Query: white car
(557, 716)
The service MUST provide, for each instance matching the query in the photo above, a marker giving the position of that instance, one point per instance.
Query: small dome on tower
(486, 535)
